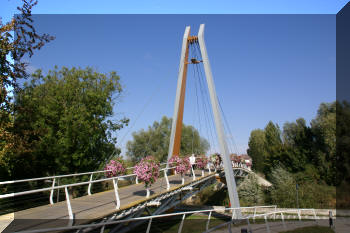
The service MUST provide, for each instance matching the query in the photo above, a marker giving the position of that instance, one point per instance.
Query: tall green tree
(324, 130)
(155, 141)
(70, 114)
(256, 149)
(273, 146)
(298, 145)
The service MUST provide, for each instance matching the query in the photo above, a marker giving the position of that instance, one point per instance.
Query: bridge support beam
(231, 183)
(175, 135)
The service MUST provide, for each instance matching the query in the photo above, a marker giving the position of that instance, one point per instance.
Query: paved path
(96, 206)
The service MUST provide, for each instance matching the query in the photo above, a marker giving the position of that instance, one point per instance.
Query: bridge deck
(94, 207)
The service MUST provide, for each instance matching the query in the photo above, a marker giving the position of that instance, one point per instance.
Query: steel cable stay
(227, 129)
(198, 84)
(195, 113)
(207, 101)
(197, 80)
(198, 108)
(208, 114)
(142, 110)
(206, 111)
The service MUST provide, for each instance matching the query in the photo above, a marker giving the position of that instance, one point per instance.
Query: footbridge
(129, 201)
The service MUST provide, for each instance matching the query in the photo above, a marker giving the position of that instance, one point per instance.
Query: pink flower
(202, 162)
(115, 168)
(147, 170)
(182, 164)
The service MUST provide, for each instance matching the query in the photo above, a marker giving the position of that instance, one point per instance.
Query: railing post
(70, 212)
(52, 190)
(89, 188)
(149, 225)
(136, 180)
(207, 226)
(193, 174)
(274, 214)
(209, 168)
(203, 173)
(229, 227)
(254, 214)
(299, 215)
(315, 215)
(284, 224)
(166, 179)
(267, 224)
(115, 184)
(249, 226)
(233, 213)
(58, 190)
(182, 223)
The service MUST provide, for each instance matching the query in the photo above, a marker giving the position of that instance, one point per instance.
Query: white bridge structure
(119, 205)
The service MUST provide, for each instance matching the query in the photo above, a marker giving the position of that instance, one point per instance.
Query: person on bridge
(192, 160)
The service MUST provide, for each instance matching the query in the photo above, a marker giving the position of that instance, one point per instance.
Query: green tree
(273, 146)
(256, 149)
(18, 39)
(324, 130)
(283, 189)
(155, 141)
(250, 192)
(298, 145)
(69, 112)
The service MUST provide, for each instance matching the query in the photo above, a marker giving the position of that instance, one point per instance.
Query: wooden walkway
(89, 208)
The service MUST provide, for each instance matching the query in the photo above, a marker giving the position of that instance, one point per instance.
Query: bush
(250, 192)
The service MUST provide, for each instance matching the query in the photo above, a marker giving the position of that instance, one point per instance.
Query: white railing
(89, 183)
(150, 218)
(265, 216)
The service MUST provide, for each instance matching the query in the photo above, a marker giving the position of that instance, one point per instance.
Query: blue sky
(266, 67)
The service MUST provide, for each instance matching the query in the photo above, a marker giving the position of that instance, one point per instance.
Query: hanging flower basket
(115, 167)
(147, 170)
(201, 162)
(182, 165)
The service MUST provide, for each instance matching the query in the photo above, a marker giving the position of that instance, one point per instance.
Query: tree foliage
(250, 192)
(306, 151)
(256, 149)
(18, 39)
(155, 141)
(64, 117)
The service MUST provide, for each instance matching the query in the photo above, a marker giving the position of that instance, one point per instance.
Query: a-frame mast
(175, 137)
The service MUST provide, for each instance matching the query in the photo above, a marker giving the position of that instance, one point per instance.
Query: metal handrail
(274, 213)
(90, 182)
(68, 185)
(141, 218)
(58, 176)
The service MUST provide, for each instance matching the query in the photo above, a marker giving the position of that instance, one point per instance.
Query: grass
(192, 223)
(313, 229)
